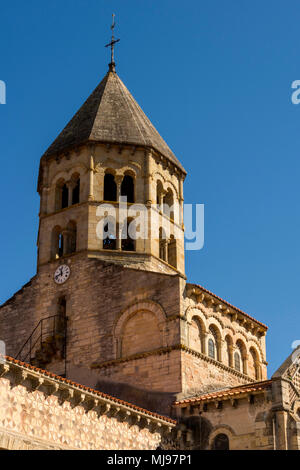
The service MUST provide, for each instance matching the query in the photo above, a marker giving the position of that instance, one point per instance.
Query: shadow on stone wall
(201, 429)
(157, 402)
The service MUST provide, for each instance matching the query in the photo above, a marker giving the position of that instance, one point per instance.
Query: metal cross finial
(112, 65)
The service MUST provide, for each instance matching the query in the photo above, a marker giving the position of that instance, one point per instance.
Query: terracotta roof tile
(229, 305)
(234, 391)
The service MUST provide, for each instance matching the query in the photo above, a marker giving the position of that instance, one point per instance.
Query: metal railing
(48, 329)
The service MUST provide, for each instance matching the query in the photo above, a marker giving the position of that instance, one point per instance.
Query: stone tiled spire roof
(111, 115)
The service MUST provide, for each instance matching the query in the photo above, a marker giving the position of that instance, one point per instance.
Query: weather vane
(112, 64)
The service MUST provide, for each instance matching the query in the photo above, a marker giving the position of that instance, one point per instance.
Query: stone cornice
(223, 306)
(33, 379)
(119, 145)
(166, 350)
(92, 254)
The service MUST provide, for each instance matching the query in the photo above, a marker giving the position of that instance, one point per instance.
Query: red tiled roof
(88, 389)
(228, 393)
(227, 303)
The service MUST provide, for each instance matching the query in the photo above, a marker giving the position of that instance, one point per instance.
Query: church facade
(114, 314)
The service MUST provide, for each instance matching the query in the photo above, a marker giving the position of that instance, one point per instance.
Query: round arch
(228, 346)
(241, 351)
(197, 334)
(193, 312)
(214, 335)
(254, 368)
(146, 306)
(79, 168)
(225, 430)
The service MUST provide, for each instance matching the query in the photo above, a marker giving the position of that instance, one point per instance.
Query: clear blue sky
(215, 79)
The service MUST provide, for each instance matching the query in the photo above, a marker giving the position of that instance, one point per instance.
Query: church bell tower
(109, 306)
(111, 188)
(110, 269)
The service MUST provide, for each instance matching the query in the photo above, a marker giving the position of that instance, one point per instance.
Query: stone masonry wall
(152, 381)
(98, 295)
(203, 375)
(51, 418)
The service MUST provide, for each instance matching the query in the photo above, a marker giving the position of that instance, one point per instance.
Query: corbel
(20, 377)
(209, 301)
(165, 430)
(145, 423)
(255, 331)
(52, 388)
(91, 404)
(200, 298)
(115, 411)
(4, 369)
(66, 394)
(134, 420)
(234, 402)
(105, 409)
(218, 404)
(77, 399)
(154, 426)
(37, 383)
(250, 399)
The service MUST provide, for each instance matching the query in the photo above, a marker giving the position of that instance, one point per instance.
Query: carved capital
(119, 179)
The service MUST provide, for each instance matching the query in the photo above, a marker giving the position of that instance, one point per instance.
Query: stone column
(230, 355)
(65, 234)
(161, 200)
(281, 430)
(70, 187)
(119, 237)
(147, 178)
(91, 179)
(204, 343)
(118, 180)
(220, 344)
(245, 364)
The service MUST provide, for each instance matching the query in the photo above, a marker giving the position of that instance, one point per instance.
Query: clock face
(62, 274)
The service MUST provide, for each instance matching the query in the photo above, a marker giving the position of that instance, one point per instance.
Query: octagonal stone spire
(111, 115)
